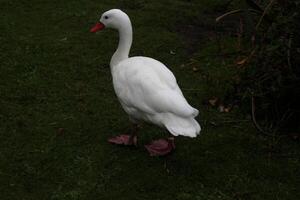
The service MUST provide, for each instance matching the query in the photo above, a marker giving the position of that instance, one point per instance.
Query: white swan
(146, 89)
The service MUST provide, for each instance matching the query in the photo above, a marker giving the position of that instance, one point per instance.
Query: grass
(57, 109)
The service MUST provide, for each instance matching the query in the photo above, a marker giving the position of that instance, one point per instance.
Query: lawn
(58, 107)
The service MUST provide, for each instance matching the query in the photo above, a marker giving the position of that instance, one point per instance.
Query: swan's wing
(152, 88)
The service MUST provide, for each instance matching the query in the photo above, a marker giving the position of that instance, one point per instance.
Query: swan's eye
(105, 17)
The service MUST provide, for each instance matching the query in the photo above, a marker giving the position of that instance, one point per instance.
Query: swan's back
(150, 68)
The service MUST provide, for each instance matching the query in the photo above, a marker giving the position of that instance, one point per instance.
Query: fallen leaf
(213, 101)
(172, 52)
(295, 136)
(195, 69)
(242, 62)
(60, 131)
(227, 109)
(64, 39)
(213, 123)
(221, 108)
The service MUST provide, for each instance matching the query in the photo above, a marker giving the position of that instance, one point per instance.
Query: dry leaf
(221, 108)
(60, 131)
(227, 109)
(294, 136)
(172, 52)
(195, 69)
(213, 101)
(242, 62)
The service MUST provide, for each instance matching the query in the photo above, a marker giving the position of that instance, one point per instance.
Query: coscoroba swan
(147, 90)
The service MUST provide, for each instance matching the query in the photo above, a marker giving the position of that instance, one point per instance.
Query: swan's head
(114, 18)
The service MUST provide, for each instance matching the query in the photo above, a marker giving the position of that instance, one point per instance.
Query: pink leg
(161, 147)
(126, 139)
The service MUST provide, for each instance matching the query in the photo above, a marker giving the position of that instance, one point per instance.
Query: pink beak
(98, 27)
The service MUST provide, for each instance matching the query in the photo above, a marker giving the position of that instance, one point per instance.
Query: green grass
(58, 107)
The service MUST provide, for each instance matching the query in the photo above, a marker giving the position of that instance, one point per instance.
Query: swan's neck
(125, 41)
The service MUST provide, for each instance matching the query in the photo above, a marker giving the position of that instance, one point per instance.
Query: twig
(240, 34)
(228, 13)
(289, 52)
(257, 126)
(235, 12)
(264, 14)
(248, 58)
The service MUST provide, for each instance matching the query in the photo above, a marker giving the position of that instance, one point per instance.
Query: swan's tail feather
(182, 126)
(196, 112)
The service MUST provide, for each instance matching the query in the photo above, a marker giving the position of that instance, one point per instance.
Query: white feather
(146, 88)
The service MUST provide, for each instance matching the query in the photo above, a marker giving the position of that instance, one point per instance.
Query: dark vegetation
(268, 63)
(57, 105)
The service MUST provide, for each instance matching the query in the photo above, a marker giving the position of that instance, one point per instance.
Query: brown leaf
(221, 108)
(195, 69)
(213, 101)
(295, 136)
(242, 62)
(60, 131)
(227, 109)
